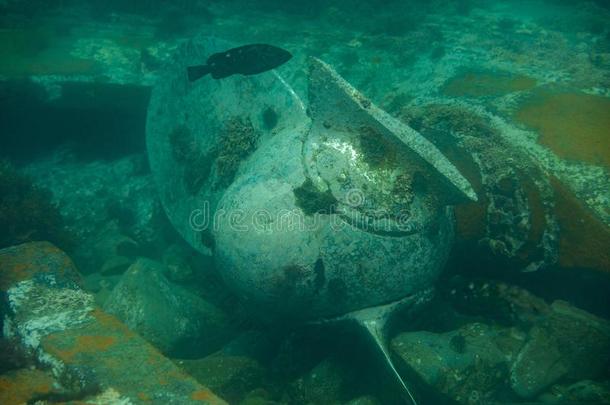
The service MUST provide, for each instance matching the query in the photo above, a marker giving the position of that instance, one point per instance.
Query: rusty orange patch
(202, 395)
(573, 125)
(21, 386)
(143, 396)
(112, 323)
(584, 239)
(84, 344)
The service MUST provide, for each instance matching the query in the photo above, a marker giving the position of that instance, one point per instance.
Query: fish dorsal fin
(333, 101)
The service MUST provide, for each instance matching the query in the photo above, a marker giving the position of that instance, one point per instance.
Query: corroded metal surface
(89, 352)
(321, 214)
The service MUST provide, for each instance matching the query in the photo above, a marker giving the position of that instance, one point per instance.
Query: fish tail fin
(197, 72)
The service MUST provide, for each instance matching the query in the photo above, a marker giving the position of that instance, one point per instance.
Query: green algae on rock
(237, 142)
(174, 319)
(313, 201)
(27, 212)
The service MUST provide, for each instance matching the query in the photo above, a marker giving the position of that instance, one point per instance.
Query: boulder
(111, 207)
(258, 397)
(232, 377)
(469, 365)
(324, 384)
(569, 344)
(89, 355)
(365, 400)
(176, 260)
(22, 262)
(174, 319)
(22, 386)
(115, 265)
(582, 392)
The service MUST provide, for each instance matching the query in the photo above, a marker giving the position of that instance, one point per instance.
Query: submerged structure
(328, 218)
(330, 211)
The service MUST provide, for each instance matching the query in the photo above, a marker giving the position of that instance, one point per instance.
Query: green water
(515, 97)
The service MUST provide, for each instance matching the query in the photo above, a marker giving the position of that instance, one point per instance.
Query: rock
(99, 251)
(95, 282)
(12, 356)
(569, 344)
(116, 265)
(176, 258)
(366, 400)
(540, 365)
(21, 386)
(110, 206)
(254, 344)
(494, 300)
(232, 377)
(324, 384)
(300, 351)
(562, 343)
(22, 262)
(101, 286)
(469, 365)
(89, 353)
(174, 319)
(586, 391)
(258, 397)
(26, 210)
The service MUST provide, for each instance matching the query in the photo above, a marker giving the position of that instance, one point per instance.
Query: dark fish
(244, 60)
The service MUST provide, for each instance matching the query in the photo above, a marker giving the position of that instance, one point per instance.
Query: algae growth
(482, 84)
(237, 141)
(313, 201)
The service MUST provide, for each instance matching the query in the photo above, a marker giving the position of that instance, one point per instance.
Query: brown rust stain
(143, 396)
(574, 125)
(584, 239)
(12, 274)
(206, 396)
(23, 261)
(470, 216)
(202, 395)
(20, 386)
(81, 344)
(110, 322)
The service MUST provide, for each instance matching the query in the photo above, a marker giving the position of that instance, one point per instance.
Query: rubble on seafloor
(534, 348)
(480, 342)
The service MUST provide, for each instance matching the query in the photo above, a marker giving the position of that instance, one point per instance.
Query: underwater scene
(272, 202)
